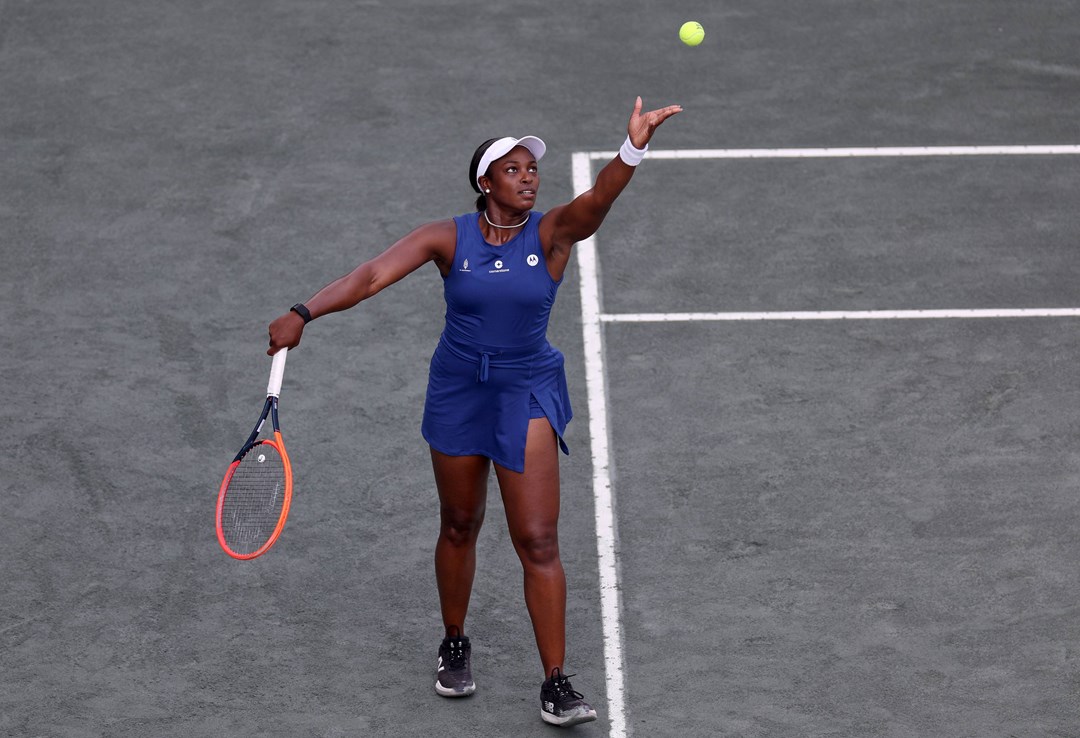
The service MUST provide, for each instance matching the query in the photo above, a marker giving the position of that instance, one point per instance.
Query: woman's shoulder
(437, 229)
(436, 238)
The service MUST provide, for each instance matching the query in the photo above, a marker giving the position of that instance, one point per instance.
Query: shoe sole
(447, 692)
(568, 720)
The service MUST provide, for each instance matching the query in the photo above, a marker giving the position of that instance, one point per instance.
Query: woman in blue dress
(497, 389)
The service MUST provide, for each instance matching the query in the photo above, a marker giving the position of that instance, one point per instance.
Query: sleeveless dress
(494, 368)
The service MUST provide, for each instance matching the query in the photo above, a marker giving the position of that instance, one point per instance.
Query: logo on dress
(465, 266)
(533, 260)
(498, 264)
(498, 267)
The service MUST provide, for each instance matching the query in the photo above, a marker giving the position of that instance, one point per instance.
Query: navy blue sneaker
(454, 677)
(560, 704)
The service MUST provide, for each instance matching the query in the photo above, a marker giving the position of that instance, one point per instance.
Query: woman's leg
(531, 500)
(462, 485)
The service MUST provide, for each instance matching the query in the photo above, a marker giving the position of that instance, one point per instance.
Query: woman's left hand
(641, 126)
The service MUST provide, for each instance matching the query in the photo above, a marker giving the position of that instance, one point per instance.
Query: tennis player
(497, 389)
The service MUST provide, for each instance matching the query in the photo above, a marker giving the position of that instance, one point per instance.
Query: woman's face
(514, 179)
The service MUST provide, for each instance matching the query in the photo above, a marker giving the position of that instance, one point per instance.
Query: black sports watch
(302, 311)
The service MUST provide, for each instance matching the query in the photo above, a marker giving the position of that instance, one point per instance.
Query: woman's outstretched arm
(430, 242)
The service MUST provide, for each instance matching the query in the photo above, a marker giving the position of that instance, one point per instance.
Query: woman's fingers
(642, 125)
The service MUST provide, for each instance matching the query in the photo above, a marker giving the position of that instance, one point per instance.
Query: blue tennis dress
(493, 368)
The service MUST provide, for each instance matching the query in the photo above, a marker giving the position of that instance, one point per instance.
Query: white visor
(502, 147)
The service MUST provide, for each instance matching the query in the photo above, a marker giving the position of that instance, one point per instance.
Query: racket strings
(254, 499)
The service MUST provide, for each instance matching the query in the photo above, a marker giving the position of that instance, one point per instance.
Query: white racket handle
(277, 372)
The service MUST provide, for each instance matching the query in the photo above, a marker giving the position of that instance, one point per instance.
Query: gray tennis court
(858, 521)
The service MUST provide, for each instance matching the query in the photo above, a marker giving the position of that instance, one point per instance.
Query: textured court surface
(855, 530)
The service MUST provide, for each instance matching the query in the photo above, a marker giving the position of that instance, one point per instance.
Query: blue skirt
(478, 399)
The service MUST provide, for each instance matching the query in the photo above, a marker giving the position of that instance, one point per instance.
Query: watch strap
(301, 310)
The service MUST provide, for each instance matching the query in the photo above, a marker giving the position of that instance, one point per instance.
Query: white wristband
(631, 154)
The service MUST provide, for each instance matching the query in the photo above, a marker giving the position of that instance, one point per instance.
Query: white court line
(593, 318)
(842, 315)
(606, 538)
(863, 152)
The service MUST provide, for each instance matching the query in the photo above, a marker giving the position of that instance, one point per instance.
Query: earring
(487, 191)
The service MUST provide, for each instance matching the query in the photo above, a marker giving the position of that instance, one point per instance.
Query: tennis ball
(691, 33)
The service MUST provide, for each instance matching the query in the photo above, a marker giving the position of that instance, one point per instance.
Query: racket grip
(277, 372)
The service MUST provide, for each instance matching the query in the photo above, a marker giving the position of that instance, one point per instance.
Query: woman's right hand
(285, 332)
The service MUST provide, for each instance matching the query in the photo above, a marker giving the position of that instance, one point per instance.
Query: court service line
(856, 152)
(606, 533)
(843, 315)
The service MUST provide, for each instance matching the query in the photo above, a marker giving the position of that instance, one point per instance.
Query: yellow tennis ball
(691, 33)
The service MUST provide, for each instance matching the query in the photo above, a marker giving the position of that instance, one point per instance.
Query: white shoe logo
(549, 706)
(441, 667)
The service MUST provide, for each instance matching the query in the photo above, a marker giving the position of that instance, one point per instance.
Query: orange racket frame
(270, 407)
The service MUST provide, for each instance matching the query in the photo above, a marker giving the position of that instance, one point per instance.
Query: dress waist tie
(485, 364)
(488, 356)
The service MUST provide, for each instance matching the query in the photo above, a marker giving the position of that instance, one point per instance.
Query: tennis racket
(254, 498)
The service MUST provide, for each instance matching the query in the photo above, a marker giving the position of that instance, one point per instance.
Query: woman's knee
(461, 527)
(538, 547)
